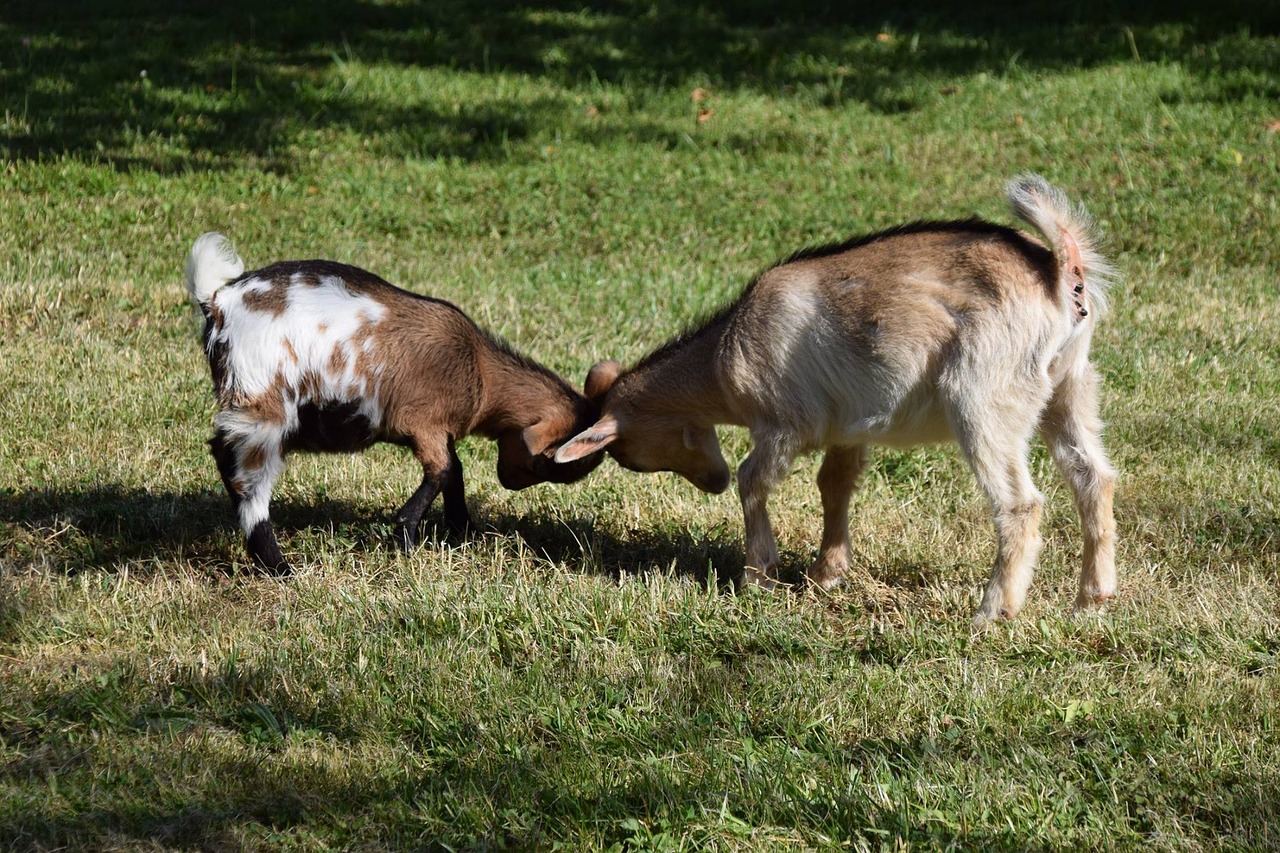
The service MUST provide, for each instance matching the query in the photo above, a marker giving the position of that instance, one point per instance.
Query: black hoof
(460, 528)
(265, 551)
(406, 537)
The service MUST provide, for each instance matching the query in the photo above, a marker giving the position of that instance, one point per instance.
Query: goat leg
(410, 515)
(265, 550)
(456, 517)
(248, 472)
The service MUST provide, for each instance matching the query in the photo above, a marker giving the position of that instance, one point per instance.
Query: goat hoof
(763, 579)
(460, 528)
(1087, 601)
(828, 584)
(274, 569)
(984, 619)
(406, 539)
(982, 623)
(825, 578)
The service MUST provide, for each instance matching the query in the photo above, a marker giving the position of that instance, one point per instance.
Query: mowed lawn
(585, 179)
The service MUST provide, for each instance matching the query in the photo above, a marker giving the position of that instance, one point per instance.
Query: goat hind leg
(1000, 464)
(1073, 431)
(249, 471)
(224, 454)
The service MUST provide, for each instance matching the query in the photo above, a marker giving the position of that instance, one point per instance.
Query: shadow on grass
(204, 84)
(249, 794)
(104, 528)
(110, 527)
(216, 801)
(709, 556)
(107, 528)
(701, 556)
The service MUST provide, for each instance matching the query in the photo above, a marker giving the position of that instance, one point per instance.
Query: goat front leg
(1073, 431)
(837, 478)
(762, 470)
(437, 461)
(456, 517)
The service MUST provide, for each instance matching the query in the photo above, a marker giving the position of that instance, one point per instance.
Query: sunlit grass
(568, 677)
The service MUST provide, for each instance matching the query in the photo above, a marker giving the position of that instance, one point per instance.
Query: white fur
(212, 263)
(258, 483)
(318, 319)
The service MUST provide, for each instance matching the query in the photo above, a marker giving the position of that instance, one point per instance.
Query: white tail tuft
(212, 263)
(1067, 228)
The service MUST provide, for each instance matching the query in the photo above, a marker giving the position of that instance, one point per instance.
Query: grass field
(585, 178)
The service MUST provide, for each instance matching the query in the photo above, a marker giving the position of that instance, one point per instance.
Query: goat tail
(212, 263)
(1083, 273)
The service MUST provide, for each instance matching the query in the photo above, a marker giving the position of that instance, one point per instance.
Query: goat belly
(332, 428)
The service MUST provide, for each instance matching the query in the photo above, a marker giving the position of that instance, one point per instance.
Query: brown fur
(415, 371)
(270, 301)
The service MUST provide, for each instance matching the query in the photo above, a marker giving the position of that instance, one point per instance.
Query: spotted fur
(319, 356)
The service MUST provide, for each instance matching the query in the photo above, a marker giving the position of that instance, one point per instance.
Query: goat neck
(515, 392)
(681, 379)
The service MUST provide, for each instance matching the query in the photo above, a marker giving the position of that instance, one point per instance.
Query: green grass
(568, 679)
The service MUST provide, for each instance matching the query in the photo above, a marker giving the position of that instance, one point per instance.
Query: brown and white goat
(321, 356)
(966, 331)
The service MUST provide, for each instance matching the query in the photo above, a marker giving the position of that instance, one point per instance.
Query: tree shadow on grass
(196, 794)
(199, 84)
(235, 799)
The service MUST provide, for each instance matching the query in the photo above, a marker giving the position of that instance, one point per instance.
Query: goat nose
(715, 483)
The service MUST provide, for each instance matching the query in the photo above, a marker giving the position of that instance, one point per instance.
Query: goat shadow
(111, 527)
(102, 528)
(710, 556)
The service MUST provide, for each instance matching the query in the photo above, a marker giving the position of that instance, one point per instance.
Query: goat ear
(600, 379)
(597, 437)
(535, 438)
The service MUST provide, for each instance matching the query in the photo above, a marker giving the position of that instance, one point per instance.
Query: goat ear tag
(588, 441)
(691, 437)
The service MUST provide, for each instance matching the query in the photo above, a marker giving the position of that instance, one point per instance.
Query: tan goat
(967, 331)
